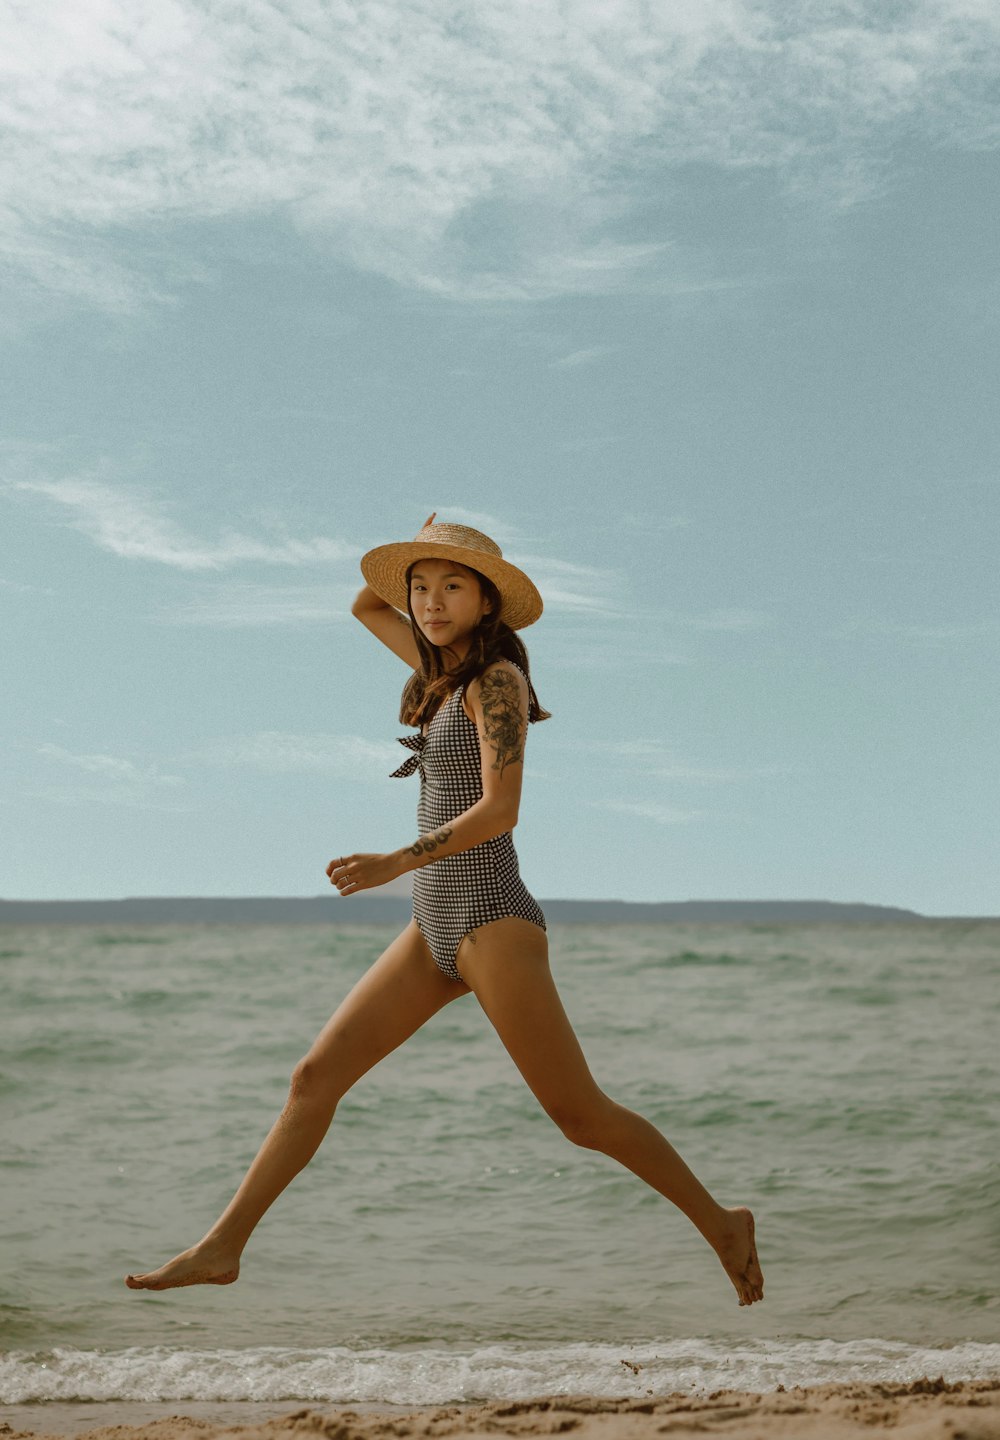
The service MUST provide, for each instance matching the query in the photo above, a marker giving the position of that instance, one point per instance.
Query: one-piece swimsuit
(457, 893)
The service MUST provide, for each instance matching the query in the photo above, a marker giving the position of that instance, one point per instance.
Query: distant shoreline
(387, 910)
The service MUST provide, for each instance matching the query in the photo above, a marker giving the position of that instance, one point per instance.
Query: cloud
(113, 780)
(733, 620)
(135, 527)
(649, 810)
(581, 589)
(941, 634)
(19, 588)
(278, 752)
(655, 760)
(494, 526)
(581, 650)
(580, 357)
(234, 606)
(493, 151)
(67, 262)
(110, 767)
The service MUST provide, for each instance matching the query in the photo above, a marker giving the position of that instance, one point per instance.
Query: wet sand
(922, 1410)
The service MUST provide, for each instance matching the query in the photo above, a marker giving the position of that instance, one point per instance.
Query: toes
(142, 1282)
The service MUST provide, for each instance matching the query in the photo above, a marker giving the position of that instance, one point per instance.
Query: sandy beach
(923, 1410)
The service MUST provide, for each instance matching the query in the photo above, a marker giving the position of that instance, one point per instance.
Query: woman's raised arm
(387, 625)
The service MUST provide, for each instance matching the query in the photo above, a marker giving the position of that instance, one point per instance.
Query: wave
(436, 1376)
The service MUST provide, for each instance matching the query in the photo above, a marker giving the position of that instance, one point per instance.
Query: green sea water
(840, 1079)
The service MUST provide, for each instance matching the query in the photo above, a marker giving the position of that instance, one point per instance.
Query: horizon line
(403, 899)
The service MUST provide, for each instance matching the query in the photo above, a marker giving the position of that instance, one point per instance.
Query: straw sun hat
(385, 568)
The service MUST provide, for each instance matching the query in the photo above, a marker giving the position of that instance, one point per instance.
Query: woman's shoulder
(500, 667)
(499, 672)
(501, 683)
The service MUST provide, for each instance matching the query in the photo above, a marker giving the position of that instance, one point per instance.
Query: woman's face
(447, 603)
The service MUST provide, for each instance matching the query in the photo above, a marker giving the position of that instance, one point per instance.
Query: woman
(475, 926)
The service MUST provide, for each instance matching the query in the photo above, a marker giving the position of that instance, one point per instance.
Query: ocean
(447, 1243)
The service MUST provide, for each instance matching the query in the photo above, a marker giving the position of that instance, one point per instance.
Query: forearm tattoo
(503, 727)
(427, 844)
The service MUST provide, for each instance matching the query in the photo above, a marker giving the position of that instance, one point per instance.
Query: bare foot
(203, 1264)
(738, 1254)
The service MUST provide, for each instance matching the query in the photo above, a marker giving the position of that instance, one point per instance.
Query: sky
(693, 308)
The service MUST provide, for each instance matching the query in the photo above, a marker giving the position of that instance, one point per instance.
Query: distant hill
(393, 910)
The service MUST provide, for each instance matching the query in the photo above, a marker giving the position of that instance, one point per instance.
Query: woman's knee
(584, 1120)
(311, 1081)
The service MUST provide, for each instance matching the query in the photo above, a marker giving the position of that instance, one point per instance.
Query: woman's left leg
(506, 964)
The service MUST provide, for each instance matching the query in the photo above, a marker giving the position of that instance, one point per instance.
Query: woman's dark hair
(428, 688)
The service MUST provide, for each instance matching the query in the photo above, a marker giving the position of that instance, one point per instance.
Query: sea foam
(426, 1376)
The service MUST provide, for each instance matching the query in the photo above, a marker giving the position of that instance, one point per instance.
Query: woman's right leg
(401, 991)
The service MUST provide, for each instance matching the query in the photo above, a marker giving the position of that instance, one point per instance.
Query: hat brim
(385, 567)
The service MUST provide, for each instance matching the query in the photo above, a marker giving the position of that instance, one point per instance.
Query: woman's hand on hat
(351, 873)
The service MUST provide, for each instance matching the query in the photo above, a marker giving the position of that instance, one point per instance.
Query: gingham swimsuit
(458, 893)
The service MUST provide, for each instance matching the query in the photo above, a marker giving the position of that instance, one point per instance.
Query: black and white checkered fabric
(458, 893)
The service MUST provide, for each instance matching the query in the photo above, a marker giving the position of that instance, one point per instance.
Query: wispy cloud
(116, 780)
(653, 765)
(649, 810)
(232, 606)
(19, 588)
(137, 527)
(279, 752)
(490, 152)
(656, 760)
(580, 357)
(111, 780)
(110, 767)
(651, 524)
(134, 526)
(608, 594)
(584, 651)
(734, 620)
(564, 585)
(581, 589)
(498, 529)
(948, 633)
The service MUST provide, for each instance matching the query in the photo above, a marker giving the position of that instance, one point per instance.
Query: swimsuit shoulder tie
(412, 765)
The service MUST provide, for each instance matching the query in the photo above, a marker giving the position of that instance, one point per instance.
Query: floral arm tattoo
(503, 725)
